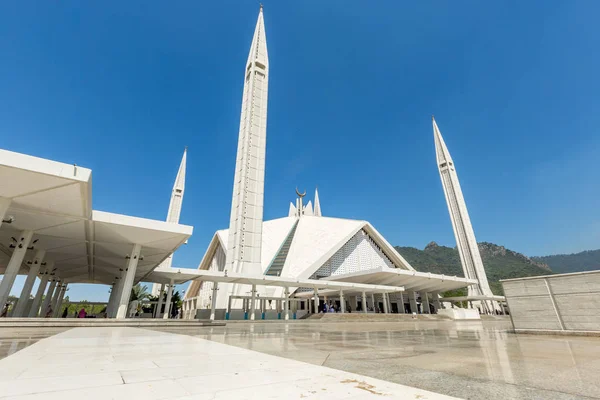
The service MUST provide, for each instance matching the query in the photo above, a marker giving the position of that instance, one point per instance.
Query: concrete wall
(565, 302)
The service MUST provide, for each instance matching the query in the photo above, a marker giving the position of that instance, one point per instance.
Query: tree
(139, 292)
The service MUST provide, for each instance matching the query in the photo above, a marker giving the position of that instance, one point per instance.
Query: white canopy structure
(182, 275)
(49, 228)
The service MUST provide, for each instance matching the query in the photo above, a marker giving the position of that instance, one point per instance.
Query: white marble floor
(133, 363)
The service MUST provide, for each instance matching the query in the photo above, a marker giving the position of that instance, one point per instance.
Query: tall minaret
(174, 210)
(245, 226)
(317, 207)
(461, 223)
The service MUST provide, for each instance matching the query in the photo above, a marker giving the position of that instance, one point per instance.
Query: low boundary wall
(555, 303)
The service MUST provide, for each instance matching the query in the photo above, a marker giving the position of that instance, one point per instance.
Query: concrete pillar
(4, 204)
(59, 301)
(364, 302)
(400, 296)
(35, 306)
(286, 311)
(111, 298)
(55, 294)
(425, 303)
(167, 313)
(125, 292)
(412, 298)
(213, 302)
(373, 301)
(118, 293)
(48, 297)
(385, 303)
(228, 307)
(161, 294)
(13, 266)
(34, 269)
(342, 302)
(435, 300)
(316, 299)
(253, 303)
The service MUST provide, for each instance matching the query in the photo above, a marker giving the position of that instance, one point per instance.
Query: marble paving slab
(132, 363)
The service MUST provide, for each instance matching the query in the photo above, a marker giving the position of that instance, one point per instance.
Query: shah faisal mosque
(306, 244)
(285, 268)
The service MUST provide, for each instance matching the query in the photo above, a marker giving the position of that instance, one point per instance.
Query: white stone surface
(461, 222)
(125, 363)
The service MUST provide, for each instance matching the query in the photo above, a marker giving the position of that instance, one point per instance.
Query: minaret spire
(317, 206)
(174, 210)
(245, 225)
(461, 223)
(177, 193)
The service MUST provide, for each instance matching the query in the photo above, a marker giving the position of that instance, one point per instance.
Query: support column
(35, 306)
(61, 296)
(412, 298)
(52, 304)
(228, 308)
(385, 303)
(125, 292)
(213, 303)
(316, 301)
(253, 303)
(158, 308)
(12, 269)
(48, 297)
(34, 269)
(167, 313)
(401, 309)
(435, 298)
(373, 301)
(287, 303)
(117, 299)
(364, 302)
(111, 298)
(425, 301)
(342, 302)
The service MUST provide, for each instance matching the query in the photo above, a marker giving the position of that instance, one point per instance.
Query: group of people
(333, 308)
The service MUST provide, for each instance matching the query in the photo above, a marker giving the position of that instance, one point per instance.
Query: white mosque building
(305, 244)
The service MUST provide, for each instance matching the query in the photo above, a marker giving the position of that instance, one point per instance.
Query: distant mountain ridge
(499, 262)
(588, 260)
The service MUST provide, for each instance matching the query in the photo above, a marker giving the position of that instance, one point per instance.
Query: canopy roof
(54, 200)
(410, 280)
(182, 275)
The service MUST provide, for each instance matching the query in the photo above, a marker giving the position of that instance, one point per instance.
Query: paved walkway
(132, 363)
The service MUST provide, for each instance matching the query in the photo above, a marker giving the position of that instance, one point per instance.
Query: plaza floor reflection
(472, 360)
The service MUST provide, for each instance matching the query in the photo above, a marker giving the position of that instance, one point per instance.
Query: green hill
(499, 263)
(562, 263)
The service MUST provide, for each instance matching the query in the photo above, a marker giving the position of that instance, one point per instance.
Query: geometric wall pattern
(360, 253)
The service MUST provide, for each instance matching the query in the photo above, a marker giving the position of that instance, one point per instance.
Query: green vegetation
(499, 263)
(563, 263)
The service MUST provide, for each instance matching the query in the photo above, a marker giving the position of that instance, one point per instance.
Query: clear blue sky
(122, 87)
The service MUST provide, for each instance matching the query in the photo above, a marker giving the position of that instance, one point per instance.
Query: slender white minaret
(245, 226)
(317, 207)
(174, 210)
(461, 223)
